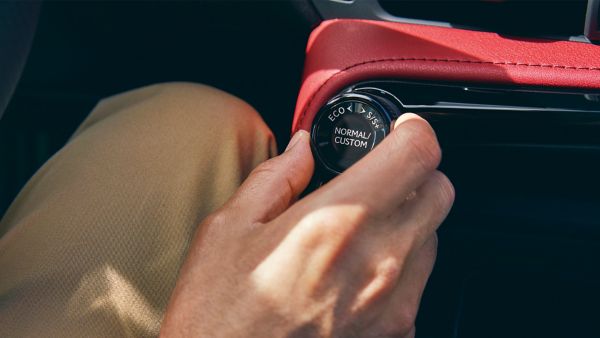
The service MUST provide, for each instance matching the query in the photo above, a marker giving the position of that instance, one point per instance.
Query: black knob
(348, 127)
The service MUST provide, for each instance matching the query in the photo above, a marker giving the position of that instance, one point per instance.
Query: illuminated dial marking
(347, 130)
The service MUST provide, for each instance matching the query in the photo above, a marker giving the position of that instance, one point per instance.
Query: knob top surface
(346, 129)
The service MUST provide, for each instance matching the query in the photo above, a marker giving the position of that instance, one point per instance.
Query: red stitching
(507, 63)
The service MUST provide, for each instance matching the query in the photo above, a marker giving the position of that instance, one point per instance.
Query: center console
(518, 120)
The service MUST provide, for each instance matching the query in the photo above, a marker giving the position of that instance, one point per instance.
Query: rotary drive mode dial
(347, 128)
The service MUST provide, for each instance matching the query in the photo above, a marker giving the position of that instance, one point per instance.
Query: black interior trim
(18, 20)
(518, 253)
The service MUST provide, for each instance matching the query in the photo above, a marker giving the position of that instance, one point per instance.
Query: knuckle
(213, 224)
(215, 219)
(330, 225)
(439, 198)
(445, 191)
(317, 234)
(422, 142)
(414, 237)
(388, 271)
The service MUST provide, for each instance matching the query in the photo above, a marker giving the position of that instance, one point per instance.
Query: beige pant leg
(94, 241)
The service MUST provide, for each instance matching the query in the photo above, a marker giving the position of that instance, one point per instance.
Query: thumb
(275, 184)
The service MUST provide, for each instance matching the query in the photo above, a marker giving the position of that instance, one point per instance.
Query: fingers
(413, 233)
(401, 309)
(397, 166)
(371, 192)
(407, 243)
(276, 183)
(420, 216)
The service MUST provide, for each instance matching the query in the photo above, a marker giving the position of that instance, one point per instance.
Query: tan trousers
(92, 245)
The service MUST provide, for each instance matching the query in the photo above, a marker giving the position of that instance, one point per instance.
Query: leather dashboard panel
(344, 51)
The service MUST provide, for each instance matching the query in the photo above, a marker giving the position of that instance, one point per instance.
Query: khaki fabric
(92, 245)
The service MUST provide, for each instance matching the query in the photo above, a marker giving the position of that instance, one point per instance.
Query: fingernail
(404, 117)
(295, 139)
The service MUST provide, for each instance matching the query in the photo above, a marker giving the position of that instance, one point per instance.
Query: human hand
(349, 260)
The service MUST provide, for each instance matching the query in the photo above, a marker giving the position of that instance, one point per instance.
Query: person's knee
(216, 107)
(182, 108)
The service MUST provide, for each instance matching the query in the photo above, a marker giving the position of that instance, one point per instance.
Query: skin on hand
(349, 260)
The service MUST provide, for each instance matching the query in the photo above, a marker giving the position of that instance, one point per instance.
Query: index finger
(391, 171)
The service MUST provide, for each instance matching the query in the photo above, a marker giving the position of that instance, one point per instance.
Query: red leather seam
(507, 63)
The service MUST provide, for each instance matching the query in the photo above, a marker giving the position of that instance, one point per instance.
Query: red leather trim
(342, 52)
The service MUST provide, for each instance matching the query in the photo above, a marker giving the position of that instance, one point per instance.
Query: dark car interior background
(519, 255)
